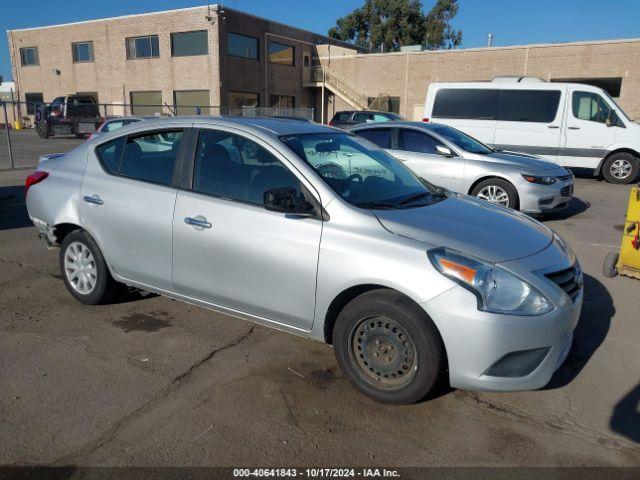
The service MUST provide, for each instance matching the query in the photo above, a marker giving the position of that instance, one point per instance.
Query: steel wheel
(494, 194)
(620, 168)
(80, 268)
(384, 351)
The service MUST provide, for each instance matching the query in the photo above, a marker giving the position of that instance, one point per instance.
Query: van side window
(414, 141)
(528, 105)
(151, 156)
(380, 136)
(468, 103)
(590, 106)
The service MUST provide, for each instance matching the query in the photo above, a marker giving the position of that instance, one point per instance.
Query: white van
(572, 124)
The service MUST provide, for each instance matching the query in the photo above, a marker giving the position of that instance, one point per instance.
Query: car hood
(521, 160)
(471, 226)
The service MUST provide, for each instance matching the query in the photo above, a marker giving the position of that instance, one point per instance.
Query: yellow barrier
(627, 262)
(17, 125)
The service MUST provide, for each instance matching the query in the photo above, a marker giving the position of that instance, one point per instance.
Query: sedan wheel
(80, 268)
(494, 194)
(497, 191)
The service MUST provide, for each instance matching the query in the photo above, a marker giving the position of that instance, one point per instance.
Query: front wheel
(43, 130)
(388, 347)
(497, 191)
(620, 168)
(84, 270)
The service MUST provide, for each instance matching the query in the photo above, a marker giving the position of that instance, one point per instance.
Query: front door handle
(93, 199)
(573, 128)
(553, 126)
(198, 222)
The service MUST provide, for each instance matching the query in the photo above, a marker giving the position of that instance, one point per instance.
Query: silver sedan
(452, 159)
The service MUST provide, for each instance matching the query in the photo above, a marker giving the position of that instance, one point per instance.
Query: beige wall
(408, 75)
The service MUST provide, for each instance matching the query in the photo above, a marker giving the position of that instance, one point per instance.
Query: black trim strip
(555, 151)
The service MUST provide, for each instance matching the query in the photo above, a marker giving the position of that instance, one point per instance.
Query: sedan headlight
(540, 180)
(497, 290)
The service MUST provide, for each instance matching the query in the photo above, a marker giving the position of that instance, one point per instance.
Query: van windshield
(361, 173)
(461, 140)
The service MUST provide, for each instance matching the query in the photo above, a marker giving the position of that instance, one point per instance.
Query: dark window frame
(257, 57)
(174, 34)
(293, 53)
(400, 141)
(131, 51)
(74, 52)
(492, 103)
(551, 95)
(23, 57)
(391, 131)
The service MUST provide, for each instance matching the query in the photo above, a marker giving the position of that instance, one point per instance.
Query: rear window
(380, 136)
(528, 105)
(468, 103)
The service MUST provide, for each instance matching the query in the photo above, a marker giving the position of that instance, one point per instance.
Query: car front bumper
(538, 199)
(475, 341)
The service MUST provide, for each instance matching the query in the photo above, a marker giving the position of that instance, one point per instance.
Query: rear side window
(380, 136)
(341, 116)
(468, 103)
(414, 141)
(528, 105)
(362, 117)
(110, 153)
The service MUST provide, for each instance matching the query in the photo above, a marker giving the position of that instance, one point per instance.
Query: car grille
(567, 191)
(569, 280)
(565, 178)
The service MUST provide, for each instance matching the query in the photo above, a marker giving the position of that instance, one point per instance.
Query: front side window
(462, 140)
(82, 52)
(528, 105)
(29, 56)
(419, 142)
(189, 43)
(361, 173)
(380, 136)
(234, 167)
(362, 117)
(281, 54)
(590, 106)
(151, 156)
(242, 46)
(143, 47)
(467, 103)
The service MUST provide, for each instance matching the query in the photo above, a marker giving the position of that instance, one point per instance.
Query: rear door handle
(553, 126)
(573, 128)
(93, 199)
(198, 222)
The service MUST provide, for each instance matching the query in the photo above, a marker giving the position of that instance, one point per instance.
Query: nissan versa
(317, 232)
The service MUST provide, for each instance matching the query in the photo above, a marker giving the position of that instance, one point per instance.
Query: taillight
(425, 120)
(90, 136)
(35, 177)
(331, 123)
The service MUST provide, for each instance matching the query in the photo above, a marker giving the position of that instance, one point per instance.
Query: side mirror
(444, 151)
(287, 200)
(369, 120)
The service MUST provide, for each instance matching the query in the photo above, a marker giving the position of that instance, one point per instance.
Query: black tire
(398, 321)
(105, 287)
(43, 130)
(610, 265)
(620, 168)
(499, 185)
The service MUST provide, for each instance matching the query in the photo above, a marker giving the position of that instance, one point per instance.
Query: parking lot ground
(151, 381)
(28, 146)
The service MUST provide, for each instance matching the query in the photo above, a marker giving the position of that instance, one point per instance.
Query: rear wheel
(620, 168)
(497, 191)
(84, 270)
(388, 347)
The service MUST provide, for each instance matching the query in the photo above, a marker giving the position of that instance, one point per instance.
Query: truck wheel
(388, 347)
(610, 265)
(620, 168)
(84, 270)
(43, 130)
(497, 191)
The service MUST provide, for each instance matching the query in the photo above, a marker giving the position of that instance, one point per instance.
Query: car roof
(365, 111)
(395, 123)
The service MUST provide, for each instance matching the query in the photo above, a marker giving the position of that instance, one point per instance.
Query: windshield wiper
(420, 195)
(374, 205)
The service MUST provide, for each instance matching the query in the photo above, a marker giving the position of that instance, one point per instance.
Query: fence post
(6, 123)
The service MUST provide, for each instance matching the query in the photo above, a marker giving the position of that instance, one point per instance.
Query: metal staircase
(340, 87)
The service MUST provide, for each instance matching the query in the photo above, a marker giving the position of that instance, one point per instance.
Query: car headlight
(497, 290)
(540, 180)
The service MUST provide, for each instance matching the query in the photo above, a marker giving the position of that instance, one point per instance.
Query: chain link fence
(21, 145)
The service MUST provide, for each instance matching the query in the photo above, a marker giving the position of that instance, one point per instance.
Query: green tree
(389, 24)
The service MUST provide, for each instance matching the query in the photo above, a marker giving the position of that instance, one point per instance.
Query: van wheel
(620, 168)
(388, 347)
(43, 130)
(497, 191)
(84, 270)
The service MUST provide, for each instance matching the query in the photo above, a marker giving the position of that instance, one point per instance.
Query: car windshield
(462, 140)
(361, 173)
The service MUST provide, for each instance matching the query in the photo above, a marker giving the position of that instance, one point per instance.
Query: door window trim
(424, 132)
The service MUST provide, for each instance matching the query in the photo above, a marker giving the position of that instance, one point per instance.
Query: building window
(281, 54)
(191, 102)
(82, 52)
(146, 103)
(143, 47)
(187, 44)
(34, 100)
(29, 56)
(306, 60)
(242, 46)
(283, 101)
(239, 101)
(611, 85)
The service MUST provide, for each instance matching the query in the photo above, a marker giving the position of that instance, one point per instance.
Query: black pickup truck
(73, 114)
